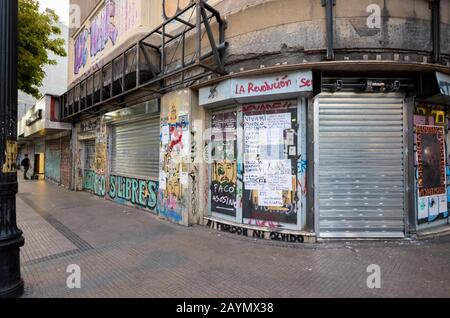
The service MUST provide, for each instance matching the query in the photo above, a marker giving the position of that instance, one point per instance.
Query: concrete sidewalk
(125, 252)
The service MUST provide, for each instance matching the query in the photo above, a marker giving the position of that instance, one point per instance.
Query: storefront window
(223, 187)
(270, 163)
(264, 191)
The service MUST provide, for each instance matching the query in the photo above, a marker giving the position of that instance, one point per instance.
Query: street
(126, 252)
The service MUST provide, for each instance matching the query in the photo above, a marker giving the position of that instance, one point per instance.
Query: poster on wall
(431, 160)
(431, 172)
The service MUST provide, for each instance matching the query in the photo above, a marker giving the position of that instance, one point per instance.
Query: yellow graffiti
(439, 117)
(173, 188)
(10, 164)
(225, 171)
(421, 111)
(100, 158)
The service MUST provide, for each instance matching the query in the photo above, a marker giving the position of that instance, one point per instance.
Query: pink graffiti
(256, 219)
(176, 138)
(171, 202)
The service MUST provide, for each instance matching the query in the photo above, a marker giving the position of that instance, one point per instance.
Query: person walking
(26, 165)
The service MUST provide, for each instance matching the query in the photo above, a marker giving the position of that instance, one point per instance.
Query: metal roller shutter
(360, 165)
(135, 149)
(89, 155)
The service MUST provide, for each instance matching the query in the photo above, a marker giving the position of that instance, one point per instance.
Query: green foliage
(35, 40)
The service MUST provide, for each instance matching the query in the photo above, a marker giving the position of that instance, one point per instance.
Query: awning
(257, 88)
(443, 83)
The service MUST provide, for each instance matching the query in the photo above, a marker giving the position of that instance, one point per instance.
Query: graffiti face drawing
(173, 187)
(225, 172)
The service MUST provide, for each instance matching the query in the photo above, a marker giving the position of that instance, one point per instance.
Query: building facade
(46, 141)
(55, 81)
(288, 120)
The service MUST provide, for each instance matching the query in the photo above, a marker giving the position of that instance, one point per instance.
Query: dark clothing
(25, 162)
(26, 165)
(25, 172)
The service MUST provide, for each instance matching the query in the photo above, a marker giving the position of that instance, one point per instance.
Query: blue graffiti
(302, 165)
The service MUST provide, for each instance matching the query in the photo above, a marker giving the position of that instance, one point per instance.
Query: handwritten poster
(270, 198)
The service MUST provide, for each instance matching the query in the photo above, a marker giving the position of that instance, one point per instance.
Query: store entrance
(254, 175)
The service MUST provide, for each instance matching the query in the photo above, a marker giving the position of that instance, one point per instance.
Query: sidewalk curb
(433, 233)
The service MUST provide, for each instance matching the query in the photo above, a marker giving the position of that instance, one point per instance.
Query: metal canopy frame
(143, 66)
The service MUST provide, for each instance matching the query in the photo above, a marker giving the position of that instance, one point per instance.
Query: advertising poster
(431, 160)
(431, 173)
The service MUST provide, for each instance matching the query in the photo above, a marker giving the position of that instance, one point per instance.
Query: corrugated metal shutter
(360, 165)
(89, 154)
(135, 149)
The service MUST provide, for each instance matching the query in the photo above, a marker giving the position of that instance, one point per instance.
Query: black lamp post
(11, 283)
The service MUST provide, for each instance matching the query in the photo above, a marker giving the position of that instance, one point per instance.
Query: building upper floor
(295, 30)
(42, 119)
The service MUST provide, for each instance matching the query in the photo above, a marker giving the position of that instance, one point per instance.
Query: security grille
(89, 155)
(135, 149)
(359, 165)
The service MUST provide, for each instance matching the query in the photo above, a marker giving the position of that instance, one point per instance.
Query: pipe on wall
(328, 4)
(435, 6)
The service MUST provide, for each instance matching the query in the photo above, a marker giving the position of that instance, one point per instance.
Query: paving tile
(126, 252)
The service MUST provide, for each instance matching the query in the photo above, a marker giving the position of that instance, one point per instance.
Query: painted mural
(124, 190)
(174, 159)
(431, 126)
(114, 20)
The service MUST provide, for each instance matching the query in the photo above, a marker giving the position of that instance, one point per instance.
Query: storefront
(85, 156)
(134, 155)
(57, 158)
(39, 158)
(431, 159)
(256, 150)
(53, 160)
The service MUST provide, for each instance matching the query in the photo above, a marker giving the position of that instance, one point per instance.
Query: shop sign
(247, 89)
(88, 129)
(37, 115)
(444, 83)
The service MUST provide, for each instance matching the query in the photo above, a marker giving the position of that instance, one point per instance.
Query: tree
(37, 37)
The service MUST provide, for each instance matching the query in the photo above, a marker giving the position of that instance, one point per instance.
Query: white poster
(184, 178)
(165, 134)
(270, 198)
(422, 209)
(251, 140)
(185, 143)
(254, 174)
(277, 167)
(433, 206)
(281, 182)
(281, 121)
(162, 180)
(442, 203)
